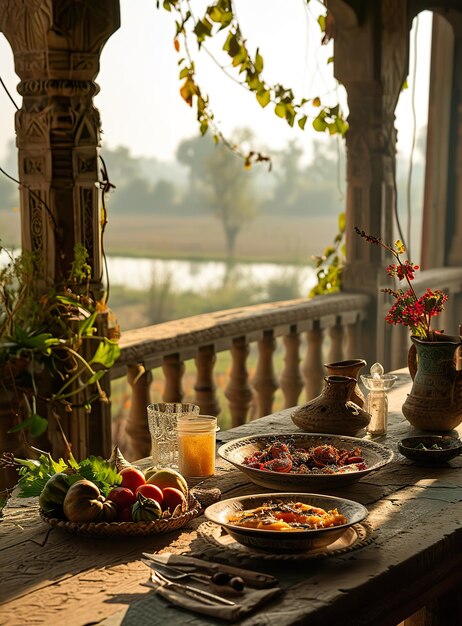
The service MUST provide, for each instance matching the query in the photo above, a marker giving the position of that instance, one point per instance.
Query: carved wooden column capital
(56, 46)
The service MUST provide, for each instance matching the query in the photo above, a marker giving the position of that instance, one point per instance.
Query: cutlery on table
(195, 566)
(193, 592)
(221, 579)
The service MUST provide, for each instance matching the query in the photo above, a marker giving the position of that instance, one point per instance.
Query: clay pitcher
(352, 367)
(435, 400)
(333, 411)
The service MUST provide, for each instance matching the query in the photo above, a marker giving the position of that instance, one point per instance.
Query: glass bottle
(376, 403)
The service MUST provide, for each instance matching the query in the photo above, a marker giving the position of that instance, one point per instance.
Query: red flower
(408, 309)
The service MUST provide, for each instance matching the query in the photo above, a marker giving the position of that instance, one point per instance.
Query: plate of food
(305, 461)
(286, 522)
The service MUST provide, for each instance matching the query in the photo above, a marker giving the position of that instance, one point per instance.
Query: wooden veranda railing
(331, 324)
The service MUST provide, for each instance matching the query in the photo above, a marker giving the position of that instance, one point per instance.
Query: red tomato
(125, 515)
(151, 491)
(132, 478)
(172, 498)
(122, 497)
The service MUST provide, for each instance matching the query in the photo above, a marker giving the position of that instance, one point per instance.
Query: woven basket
(126, 529)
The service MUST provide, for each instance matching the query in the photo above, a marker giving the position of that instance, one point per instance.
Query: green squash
(51, 498)
(146, 509)
(84, 503)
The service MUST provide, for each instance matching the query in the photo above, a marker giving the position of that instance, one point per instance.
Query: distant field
(276, 239)
(267, 238)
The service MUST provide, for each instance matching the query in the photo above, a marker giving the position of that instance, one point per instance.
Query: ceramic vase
(435, 400)
(333, 411)
(351, 368)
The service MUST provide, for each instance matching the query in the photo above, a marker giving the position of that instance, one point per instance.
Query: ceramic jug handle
(412, 361)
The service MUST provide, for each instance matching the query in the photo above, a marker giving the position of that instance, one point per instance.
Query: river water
(198, 276)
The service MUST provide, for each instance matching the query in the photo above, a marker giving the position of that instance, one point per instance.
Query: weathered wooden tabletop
(49, 576)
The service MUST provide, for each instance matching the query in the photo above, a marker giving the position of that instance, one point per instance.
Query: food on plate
(285, 457)
(287, 516)
(422, 446)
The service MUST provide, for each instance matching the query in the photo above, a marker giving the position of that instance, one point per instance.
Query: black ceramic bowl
(420, 449)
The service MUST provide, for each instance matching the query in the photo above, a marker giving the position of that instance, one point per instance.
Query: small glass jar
(196, 445)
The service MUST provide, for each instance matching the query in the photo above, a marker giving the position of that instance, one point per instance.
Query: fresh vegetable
(117, 460)
(52, 496)
(132, 478)
(169, 478)
(146, 510)
(174, 498)
(122, 497)
(84, 503)
(125, 515)
(151, 491)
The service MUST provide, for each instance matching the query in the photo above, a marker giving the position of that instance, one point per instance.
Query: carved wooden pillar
(370, 60)
(173, 369)
(291, 379)
(139, 444)
(238, 392)
(56, 46)
(205, 387)
(265, 383)
(313, 369)
(336, 342)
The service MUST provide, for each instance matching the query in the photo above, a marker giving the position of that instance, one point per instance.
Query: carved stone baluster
(139, 440)
(336, 345)
(173, 371)
(313, 368)
(205, 387)
(265, 382)
(353, 348)
(291, 379)
(238, 392)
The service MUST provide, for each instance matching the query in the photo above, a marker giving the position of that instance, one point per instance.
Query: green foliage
(330, 265)
(41, 335)
(220, 16)
(34, 474)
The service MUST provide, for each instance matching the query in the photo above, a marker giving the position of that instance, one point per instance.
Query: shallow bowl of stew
(374, 455)
(285, 541)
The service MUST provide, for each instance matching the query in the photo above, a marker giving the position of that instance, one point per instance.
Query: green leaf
(342, 222)
(106, 354)
(100, 472)
(264, 98)
(95, 377)
(258, 63)
(184, 73)
(322, 23)
(38, 425)
(302, 122)
(319, 122)
(86, 327)
(280, 109)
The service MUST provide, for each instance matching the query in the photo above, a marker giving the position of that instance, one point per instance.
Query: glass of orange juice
(196, 445)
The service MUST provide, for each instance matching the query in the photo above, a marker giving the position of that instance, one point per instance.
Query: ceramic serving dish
(278, 541)
(420, 449)
(235, 451)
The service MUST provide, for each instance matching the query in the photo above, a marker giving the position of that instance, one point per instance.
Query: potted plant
(54, 353)
(435, 401)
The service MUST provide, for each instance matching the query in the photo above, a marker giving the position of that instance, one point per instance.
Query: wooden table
(49, 576)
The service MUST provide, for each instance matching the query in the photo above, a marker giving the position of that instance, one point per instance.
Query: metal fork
(175, 574)
(193, 592)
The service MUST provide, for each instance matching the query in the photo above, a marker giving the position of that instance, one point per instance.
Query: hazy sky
(140, 103)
